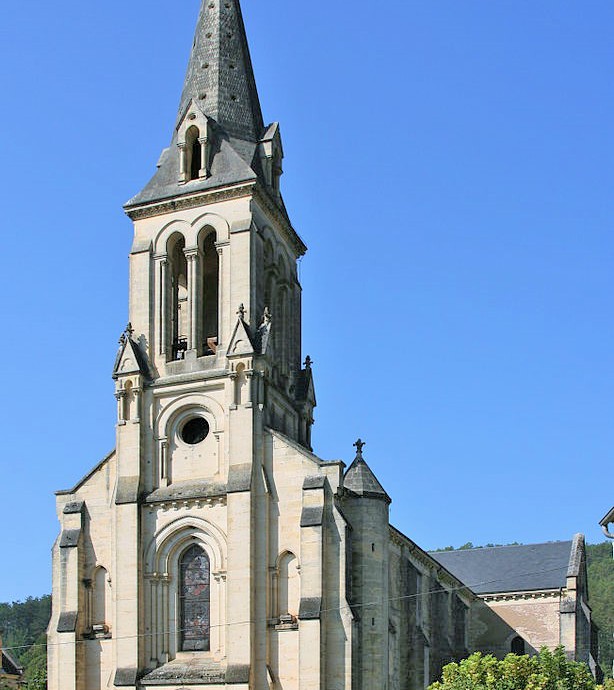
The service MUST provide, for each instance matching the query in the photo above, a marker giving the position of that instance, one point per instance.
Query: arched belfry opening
(179, 315)
(210, 292)
(194, 148)
(195, 601)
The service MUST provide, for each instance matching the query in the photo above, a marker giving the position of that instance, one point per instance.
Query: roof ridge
(502, 546)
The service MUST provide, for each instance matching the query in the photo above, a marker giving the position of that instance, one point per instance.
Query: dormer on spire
(220, 137)
(193, 144)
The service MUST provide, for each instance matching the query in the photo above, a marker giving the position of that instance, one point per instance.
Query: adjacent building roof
(528, 567)
(608, 519)
(8, 665)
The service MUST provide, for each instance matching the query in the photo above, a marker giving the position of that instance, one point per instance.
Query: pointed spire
(220, 77)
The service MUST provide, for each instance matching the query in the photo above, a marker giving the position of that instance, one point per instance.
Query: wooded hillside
(601, 599)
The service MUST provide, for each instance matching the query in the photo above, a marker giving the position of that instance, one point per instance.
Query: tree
(38, 681)
(545, 671)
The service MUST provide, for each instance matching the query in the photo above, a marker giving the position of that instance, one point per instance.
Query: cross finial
(128, 331)
(308, 362)
(359, 445)
(241, 312)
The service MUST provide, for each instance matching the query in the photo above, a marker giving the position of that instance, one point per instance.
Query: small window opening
(196, 160)
(517, 645)
(194, 151)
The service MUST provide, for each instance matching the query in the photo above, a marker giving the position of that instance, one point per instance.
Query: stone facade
(212, 548)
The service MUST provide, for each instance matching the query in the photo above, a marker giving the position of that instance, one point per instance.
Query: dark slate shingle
(509, 568)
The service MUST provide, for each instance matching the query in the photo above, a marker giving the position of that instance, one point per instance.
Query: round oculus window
(195, 431)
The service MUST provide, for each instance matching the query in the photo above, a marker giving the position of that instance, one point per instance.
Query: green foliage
(545, 671)
(471, 545)
(25, 625)
(600, 567)
(38, 680)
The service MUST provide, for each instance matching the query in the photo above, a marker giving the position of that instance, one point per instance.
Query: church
(212, 548)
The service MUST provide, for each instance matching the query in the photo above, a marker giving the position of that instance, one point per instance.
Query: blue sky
(449, 165)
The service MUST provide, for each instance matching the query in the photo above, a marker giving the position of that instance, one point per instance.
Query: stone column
(120, 397)
(163, 461)
(204, 156)
(249, 382)
(164, 618)
(137, 404)
(221, 293)
(183, 163)
(193, 280)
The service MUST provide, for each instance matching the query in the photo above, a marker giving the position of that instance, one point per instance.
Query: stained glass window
(195, 600)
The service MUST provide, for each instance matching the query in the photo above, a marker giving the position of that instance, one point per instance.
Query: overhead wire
(323, 611)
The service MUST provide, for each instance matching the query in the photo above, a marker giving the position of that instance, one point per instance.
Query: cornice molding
(518, 596)
(283, 223)
(189, 503)
(181, 203)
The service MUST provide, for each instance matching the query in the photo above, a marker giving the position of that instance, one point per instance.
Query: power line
(323, 611)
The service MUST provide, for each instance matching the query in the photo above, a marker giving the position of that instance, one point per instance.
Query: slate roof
(220, 74)
(513, 568)
(360, 480)
(8, 665)
(607, 518)
(220, 80)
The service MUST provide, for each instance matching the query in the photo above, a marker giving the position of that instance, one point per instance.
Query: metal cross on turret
(359, 445)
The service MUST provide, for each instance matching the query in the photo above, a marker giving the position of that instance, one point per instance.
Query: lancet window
(210, 292)
(194, 153)
(195, 600)
(179, 296)
(288, 586)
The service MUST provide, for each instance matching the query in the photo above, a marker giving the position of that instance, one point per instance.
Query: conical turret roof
(360, 480)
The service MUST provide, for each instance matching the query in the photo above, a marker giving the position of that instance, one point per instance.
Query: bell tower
(213, 279)
(215, 312)
(205, 548)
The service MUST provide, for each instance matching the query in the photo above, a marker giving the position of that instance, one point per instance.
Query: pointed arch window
(195, 600)
(288, 593)
(210, 294)
(179, 296)
(195, 154)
